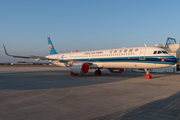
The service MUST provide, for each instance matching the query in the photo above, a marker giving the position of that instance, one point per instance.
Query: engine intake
(80, 68)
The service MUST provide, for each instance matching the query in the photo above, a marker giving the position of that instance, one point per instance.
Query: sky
(84, 25)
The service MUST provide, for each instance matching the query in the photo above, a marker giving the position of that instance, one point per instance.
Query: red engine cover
(85, 68)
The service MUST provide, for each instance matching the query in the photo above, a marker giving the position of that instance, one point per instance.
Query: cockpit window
(159, 52)
(125, 50)
(164, 52)
(130, 50)
(136, 50)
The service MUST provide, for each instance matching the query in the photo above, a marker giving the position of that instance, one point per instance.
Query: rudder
(51, 47)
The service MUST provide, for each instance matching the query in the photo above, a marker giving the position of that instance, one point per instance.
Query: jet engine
(116, 70)
(80, 68)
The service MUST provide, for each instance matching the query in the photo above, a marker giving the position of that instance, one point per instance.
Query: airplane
(115, 60)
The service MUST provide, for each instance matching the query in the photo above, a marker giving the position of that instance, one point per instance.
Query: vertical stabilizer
(51, 47)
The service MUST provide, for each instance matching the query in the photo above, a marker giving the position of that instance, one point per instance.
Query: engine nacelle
(80, 68)
(116, 70)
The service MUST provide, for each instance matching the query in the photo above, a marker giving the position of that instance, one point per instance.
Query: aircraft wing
(36, 57)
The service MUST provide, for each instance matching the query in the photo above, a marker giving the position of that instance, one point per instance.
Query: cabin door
(62, 57)
(142, 53)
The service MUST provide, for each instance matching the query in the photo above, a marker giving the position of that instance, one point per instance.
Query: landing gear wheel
(97, 72)
(148, 76)
(72, 74)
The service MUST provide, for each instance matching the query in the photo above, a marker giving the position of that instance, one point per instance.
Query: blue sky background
(85, 25)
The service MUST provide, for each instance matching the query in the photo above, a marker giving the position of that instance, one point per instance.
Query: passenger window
(155, 52)
(120, 51)
(115, 51)
(159, 52)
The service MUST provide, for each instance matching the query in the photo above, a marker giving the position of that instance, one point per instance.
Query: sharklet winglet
(6, 50)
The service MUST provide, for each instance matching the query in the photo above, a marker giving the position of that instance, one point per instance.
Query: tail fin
(51, 47)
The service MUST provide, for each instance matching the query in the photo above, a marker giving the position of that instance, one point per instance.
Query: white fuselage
(134, 57)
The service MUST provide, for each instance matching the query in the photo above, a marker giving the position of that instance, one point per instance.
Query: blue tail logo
(51, 47)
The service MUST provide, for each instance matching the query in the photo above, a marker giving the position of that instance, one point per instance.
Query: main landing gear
(97, 72)
(72, 74)
(147, 76)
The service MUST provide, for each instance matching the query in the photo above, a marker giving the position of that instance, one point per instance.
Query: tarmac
(50, 93)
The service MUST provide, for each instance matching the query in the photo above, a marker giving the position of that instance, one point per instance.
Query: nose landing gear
(72, 74)
(147, 76)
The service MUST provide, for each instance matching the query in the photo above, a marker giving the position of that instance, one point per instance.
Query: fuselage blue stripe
(170, 60)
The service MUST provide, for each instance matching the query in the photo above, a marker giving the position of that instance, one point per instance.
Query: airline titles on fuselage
(114, 52)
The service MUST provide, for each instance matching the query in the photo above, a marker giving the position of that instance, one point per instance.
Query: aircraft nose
(175, 60)
(172, 60)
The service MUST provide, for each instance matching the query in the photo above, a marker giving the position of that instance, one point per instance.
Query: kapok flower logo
(50, 46)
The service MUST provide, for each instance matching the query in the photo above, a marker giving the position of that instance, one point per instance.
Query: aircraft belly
(96, 65)
(133, 65)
